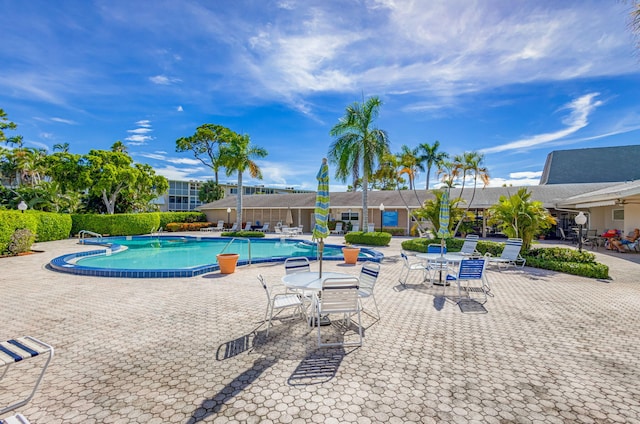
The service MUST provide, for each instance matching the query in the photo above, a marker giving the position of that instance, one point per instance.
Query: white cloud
(180, 109)
(163, 80)
(140, 131)
(577, 119)
(174, 173)
(138, 140)
(64, 121)
(144, 123)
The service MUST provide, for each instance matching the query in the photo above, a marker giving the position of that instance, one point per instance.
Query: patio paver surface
(552, 348)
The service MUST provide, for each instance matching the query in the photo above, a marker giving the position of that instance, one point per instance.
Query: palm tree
(471, 164)
(431, 156)
(119, 147)
(61, 147)
(359, 145)
(410, 164)
(237, 156)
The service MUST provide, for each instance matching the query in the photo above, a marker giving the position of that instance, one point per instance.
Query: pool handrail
(83, 233)
(248, 248)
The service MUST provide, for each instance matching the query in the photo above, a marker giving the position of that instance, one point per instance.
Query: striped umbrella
(321, 212)
(443, 230)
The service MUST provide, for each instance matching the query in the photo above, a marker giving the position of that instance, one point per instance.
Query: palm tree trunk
(239, 201)
(365, 203)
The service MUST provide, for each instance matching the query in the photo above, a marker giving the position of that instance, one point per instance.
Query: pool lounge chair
(265, 228)
(247, 226)
(510, 254)
(338, 229)
(15, 351)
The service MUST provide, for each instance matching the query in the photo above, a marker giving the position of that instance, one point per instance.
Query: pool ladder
(83, 233)
(234, 239)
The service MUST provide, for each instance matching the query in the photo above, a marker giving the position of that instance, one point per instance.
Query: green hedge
(567, 260)
(368, 239)
(126, 224)
(187, 226)
(10, 221)
(53, 226)
(170, 217)
(243, 234)
(453, 245)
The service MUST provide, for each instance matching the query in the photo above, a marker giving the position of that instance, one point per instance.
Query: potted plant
(350, 254)
(227, 262)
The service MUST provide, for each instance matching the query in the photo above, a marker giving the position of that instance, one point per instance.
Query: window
(349, 217)
(618, 214)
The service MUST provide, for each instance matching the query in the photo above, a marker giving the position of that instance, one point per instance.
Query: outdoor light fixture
(22, 206)
(381, 213)
(228, 216)
(580, 219)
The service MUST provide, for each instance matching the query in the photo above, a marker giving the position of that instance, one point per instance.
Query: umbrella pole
(320, 252)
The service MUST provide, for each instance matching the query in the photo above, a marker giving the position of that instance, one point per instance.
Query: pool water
(172, 256)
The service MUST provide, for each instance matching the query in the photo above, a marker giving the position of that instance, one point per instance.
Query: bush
(187, 226)
(10, 221)
(53, 226)
(21, 241)
(368, 238)
(241, 233)
(171, 217)
(453, 245)
(126, 224)
(394, 231)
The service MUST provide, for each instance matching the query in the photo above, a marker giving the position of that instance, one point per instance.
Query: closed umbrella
(321, 212)
(443, 231)
(289, 219)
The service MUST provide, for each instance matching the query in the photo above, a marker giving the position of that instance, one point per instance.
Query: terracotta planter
(227, 262)
(350, 254)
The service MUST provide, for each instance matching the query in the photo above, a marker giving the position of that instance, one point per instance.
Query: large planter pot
(350, 254)
(227, 262)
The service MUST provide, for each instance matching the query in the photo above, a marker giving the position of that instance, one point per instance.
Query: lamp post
(228, 216)
(22, 206)
(381, 215)
(580, 219)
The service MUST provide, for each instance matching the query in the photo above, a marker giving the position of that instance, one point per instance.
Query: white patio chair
(339, 296)
(15, 419)
(338, 229)
(279, 302)
(355, 227)
(368, 277)
(265, 228)
(469, 246)
(220, 226)
(371, 228)
(410, 266)
(471, 270)
(510, 254)
(247, 226)
(296, 264)
(234, 227)
(16, 350)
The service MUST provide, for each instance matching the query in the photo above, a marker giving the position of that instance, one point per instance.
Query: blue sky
(511, 79)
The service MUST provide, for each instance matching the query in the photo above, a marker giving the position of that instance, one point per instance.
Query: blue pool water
(172, 256)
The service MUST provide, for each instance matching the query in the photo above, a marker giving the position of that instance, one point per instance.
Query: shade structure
(289, 219)
(321, 212)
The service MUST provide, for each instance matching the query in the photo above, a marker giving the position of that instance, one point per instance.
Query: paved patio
(552, 348)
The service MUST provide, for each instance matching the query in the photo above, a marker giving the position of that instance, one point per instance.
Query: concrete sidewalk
(546, 347)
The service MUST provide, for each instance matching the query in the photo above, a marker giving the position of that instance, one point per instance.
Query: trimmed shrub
(127, 224)
(167, 218)
(53, 226)
(252, 234)
(10, 221)
(368, 238)
(187, 226)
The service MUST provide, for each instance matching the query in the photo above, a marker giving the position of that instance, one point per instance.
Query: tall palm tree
(237, 156)
(471, 163)
(359, 144)
(119, 147)
(431, 156)
(410, 164)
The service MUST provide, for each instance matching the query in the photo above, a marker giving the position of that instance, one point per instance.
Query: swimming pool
(185, 256)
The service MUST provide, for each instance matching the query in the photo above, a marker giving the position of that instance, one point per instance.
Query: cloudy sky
(512, 79)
